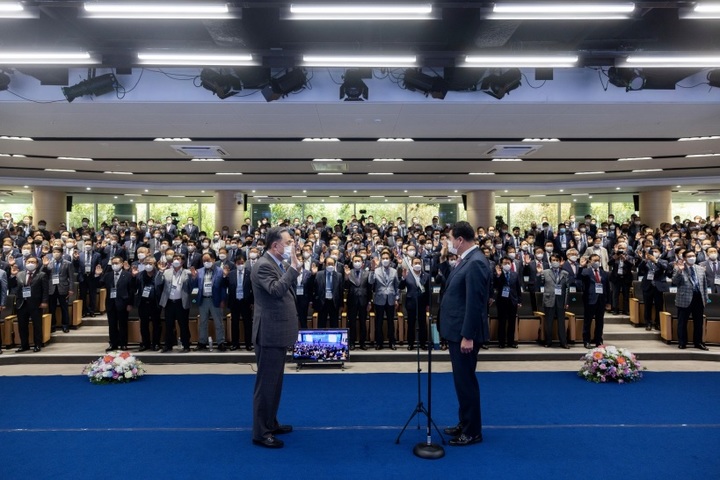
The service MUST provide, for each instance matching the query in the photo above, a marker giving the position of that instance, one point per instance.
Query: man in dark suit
(328, 298)
(653, 270)
(508, 294)
(240, 301)
(596, 297)
(274, 330)
(304, 292)
(31, 298)
(691, 299)
(191, 230)
(712, 270)
(358, 301)
(120, 286)
(417, 302)
(387, 294)
(464, 323)
(85, 264)
(3, 297)
(62, 278)
(555, 283)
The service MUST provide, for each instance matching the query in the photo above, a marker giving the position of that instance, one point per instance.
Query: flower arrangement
(114, 367)
(610, 364)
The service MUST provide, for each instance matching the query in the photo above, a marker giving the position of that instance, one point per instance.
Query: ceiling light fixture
(118, 173)
(359, 12)
(702, 10)
(416, 81)
(589, 173)
(61, 170)
(320, 139)
(380, 173)
(695, 139)
(329, 173)
(701, 155)
(353, 89)
(658, 60)
(481, 173)
(79, 159)
(389, 61)
(522, 61)
(22, 139)
(292, 81)
(540, 139)
(632, 159)
(507, 159)
(207, 160)
(561, 11)
(156, 10)
(327, 159)
(646, 170)
(196, 59)
(46, 58)
(172, 139)
(388, 160)
(92, 86)
(631, 79)
(228, 173)
(395, 140)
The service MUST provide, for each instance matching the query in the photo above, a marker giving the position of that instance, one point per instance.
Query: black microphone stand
(427, 449)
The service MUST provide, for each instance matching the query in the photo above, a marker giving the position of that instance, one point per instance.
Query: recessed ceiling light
(456, 191)
(678, 186)
(645, 170)
(691, 139)
(388, 160)
(354, 191)
(405, 191)
(23, 139)
(561, 190)
(115, 196)
(304, 191)
(327, 159)
(228, 173)
(631, 159)
(481, 173)
(88, 188)
(165, 10)
(505, 191)
(329, 173)
(700, 155)
(172, 139)
(378, 11)
(60, 170)
(202, 191)
(589, 173)
(132, 195)
(131, 200)
(299, 196)
(395, 140)
(380, 173)
(207, 160)
(507, 159)
(176, 196)
(541, 140)
(118, 173)
(253, 191)
(320, 139)
(372, 61)
(590, 196)
(574, 199)
(79, 159)
(26, 186)
(147, 191)
(617, 188)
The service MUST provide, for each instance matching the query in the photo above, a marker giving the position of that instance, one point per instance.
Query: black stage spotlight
(499, 85)
(4, 81)
(713, 78)
(628, 78)
(92, 86)
(223, 85)
(415, 80)
(292, 81)
(353, 88)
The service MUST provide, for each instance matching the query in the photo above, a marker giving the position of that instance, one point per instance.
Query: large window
(207, 219)
(332, 211)
(423, 211)
(622, 210)
(522, 214)
(17, 210)
(688, 210)
(282, 211)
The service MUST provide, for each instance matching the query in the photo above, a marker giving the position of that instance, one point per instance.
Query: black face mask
(38, 242)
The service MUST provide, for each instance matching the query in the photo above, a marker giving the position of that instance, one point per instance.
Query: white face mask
(385, 262)
(306, 255)
(573, 258)
(141, 256)
(149, 268)
(169, 258)
(330, 268)
(30, 267)
(596, 264)
(57, 255)
(205, 244)
(690, 260)
(549, 249)
(253, 256)
(506, 267)
(26, 253)
(287, 252)
(222, 256)
(357, 265)
(116, 267)
(555, 264)
(417, 268)
(452, 248)
(208, 265)
(87, 248)
(191, 248)
(713, 256)
(176, 263)
(411, 253)
(511, 256)
(452, 263)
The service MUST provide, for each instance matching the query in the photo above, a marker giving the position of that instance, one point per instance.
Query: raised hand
(226, 270)
(45, 261)
(314, 269)
(98, 270)
(347, 270)
(583, 261)
(14, 270)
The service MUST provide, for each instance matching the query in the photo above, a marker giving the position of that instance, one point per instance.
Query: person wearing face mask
(653, 271)
(417, 302)
(387, 294)
(113, 249)
(712, 270)
(147, 301)
(131, 246)
(85, 263)
(508, 295)
(240, 302)
(572, 267)
(176, 284)
(328, 299)
(596, 298)
(621, 278)
(191, 230)
(3, 297)
(31, 298)
(563, 241)
(194, 258)
(691, 299)
(211, 282)
(358, 301)
(62, 276)
(600, 251)
(555, 282)
(120, 286)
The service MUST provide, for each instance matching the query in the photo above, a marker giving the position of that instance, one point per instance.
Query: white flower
(128, 375)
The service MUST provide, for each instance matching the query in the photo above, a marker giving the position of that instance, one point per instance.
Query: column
(227, 209)
(481, 208)
(49, 205)
(656, 206)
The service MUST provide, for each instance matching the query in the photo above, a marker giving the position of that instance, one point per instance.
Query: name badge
(563, 244)
(207, 288)
(56, 279)
(640, 279)
(542, 289)
(113, 293)
(717, 280)
(709, 291)
(572, 289)
(620, 270)
(300, 290)
(427, 267)
(146, 292)
(651, 276)
(26, 292)
(436, 289)
(558, 290)
(173, 290)
(673, 289)
(599, 288)
(526, 279)
(328, 294)
(668, 280)
(505, 292)
(87, 268)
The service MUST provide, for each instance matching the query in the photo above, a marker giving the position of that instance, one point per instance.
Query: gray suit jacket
(547, 280)
(681, 279)
(387, 286)
(165, 282)
(3, 288)
(275, 322)
(66, 273)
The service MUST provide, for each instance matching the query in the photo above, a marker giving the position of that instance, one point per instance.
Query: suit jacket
(685, 288)
(319, 286)
(125, 289)
(38, 289)
(387, 285)
(116, 251)
(549, 281)
(500, 282)
(232, 285)
(192, 231)
(590, 295)
(193, 259)
(165, 281)
(219, 286)
(574, 279)
(3, 288)
(275, 322)
(463, 306)
(413, 291)
(358, 288)
(66, 274)
(659, 270)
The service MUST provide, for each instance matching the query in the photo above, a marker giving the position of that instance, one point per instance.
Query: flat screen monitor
(322, 346)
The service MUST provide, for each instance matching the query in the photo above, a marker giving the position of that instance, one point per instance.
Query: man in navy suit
(120, 285)
(464, 324)
(507, 297)
(212, 293)
(417, 301)
(240, 300)
(328, 289)
(596, 295)
(85, 264)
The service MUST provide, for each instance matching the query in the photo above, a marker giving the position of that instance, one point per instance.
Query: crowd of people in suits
(358, 266)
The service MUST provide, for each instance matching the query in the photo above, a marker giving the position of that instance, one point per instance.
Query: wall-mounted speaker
(636, 202)
(464, 198)
(68, 203)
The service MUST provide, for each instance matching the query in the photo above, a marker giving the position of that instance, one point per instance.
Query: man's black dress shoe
(185, 350)
(249, 348)
(352, 347)
(222, 347)
(142, 348)
(36, 349)
(378, 347)
(547, 345)
(410, 347)
(282, 429)
(233, 348)
(464, 440)
(363, 347)
(566, 347)
(455, 431)
(682, 347)
(65, 329)
(201, 346)
(393, 347)
(155, 348)
(648, 327)
(587, 345)
(268, 442)
(22, 349)
(484, 346)
(166, 350)
(501, 346)
(110, 349)
(701, 346)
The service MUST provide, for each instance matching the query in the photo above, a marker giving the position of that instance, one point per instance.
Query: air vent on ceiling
(199, 151)
(512, 151)
(330, 166)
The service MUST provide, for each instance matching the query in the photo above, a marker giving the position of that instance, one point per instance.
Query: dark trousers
(416, 317)
(174, 312)
(149, 312)
(551, 314)
(618, 288)
(507, 316)
(240, 309)
(56, 299)
(118, 325)
(357, 320)
(328, 310)
(381, 312)
(268, 388)
(467, 387)
(88, 294)
(594, 312)
(533, 298)
(26, 314)
(696, 309)
(652, 297)
(303, 302)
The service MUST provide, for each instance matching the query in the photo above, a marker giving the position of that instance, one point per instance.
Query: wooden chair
(637, 305)
(712, 319)
(46, 329)
(570, 324)
(668, 320)
(6, 321)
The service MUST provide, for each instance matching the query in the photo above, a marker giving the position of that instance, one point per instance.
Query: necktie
(714, 268)
(357, 274)
(328, 281)
(28, 281)
(507, 278)
(117, 277)
(597, 276)
(693, 277)
(512, 266)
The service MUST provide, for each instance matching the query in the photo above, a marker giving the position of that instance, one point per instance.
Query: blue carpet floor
(536, 425)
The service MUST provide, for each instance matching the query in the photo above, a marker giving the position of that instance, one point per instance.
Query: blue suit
(508, 295)
(594, 302)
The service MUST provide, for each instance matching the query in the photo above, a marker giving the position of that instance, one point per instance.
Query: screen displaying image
(321, 346)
